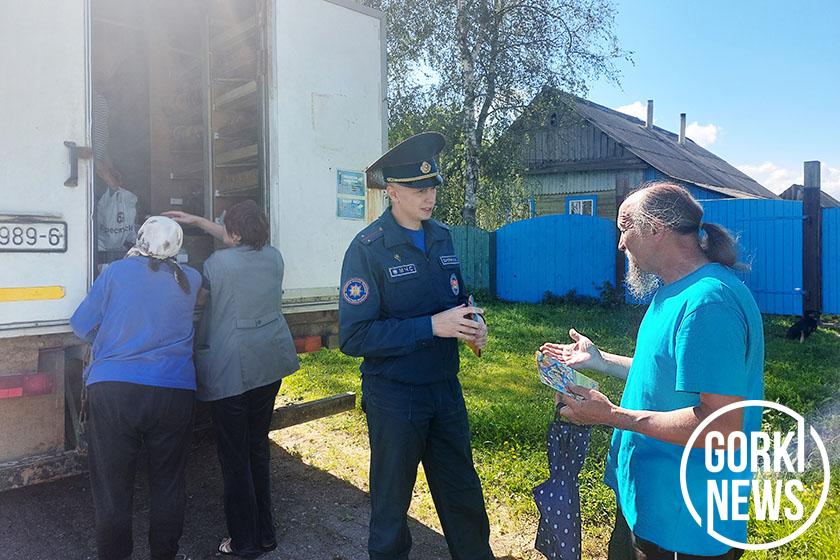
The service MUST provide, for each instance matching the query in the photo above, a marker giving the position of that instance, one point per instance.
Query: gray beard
(640, 283)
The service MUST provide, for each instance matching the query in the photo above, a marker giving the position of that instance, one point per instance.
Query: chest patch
(449, 260)
(453, 283)
(355, 291)
(402, 270)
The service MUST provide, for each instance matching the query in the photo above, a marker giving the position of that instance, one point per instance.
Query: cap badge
(425, 167)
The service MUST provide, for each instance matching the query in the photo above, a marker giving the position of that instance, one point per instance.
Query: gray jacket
(244, 341)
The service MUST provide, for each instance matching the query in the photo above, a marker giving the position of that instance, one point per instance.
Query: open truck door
(44, 208)
(44, 226)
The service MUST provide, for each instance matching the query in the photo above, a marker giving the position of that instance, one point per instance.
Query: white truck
(208, 102)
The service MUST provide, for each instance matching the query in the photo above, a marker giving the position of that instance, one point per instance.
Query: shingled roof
(794, 192)
(660, 148)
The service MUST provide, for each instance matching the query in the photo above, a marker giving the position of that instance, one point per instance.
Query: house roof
(794, 192)
(660, 148)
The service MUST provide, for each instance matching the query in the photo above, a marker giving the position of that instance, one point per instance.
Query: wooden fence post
(622, 186)
(811, 238)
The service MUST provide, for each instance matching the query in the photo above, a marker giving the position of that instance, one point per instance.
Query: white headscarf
(159, 237)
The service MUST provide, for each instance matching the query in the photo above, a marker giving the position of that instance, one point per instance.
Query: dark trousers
(624, 545)
(408, 424)
(241, 427)
(122, 418)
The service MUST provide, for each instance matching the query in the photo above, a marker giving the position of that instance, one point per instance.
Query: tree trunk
(472, 164)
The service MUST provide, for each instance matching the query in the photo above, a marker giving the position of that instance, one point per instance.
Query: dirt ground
(320, 501)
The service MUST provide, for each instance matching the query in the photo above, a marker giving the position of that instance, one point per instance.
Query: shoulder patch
(355, 291)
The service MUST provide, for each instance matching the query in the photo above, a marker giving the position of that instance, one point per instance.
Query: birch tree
(484, 60)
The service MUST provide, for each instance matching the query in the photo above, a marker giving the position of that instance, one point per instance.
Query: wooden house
(574, 151)
(794, 192)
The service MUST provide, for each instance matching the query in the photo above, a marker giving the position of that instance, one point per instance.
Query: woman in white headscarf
(140, 386)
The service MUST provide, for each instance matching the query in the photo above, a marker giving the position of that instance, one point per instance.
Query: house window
(581, 205)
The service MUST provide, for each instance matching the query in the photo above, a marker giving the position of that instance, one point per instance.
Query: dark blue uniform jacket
(389, 291)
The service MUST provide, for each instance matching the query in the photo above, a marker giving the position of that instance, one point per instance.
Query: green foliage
(510, 409)
(470, 68)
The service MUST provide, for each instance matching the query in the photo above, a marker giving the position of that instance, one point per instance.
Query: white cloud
(771, 175)
(830, 180)
(777, 178)
(636, 109)
(703, 134)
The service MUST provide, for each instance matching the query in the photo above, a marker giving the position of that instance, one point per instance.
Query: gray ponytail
(671, 206)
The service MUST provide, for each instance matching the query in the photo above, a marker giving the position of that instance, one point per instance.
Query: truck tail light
(25, 385)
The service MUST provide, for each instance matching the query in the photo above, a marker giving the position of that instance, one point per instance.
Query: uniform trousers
(409, 424)
(123, 417)
(241, 427)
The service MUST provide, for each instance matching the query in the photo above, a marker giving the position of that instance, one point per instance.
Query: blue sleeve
(362, 329)
(88, 316)
(711, 351)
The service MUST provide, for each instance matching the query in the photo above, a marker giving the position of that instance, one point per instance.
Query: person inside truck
(140, 387)
(244, 350)
(116, 206)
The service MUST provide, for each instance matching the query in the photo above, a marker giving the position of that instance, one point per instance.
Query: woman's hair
(249, 222)
(174, 268)
(671, 206)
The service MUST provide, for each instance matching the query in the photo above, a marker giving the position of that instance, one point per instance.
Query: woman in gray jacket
(245, 349)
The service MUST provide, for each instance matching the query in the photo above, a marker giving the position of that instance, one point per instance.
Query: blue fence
(770, 238)
(560, 253)
(554, 254)
(831, 260)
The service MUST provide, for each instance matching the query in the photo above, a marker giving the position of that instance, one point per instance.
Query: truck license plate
(25, 236)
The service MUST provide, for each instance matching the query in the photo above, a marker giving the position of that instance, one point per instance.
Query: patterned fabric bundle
(558, 498)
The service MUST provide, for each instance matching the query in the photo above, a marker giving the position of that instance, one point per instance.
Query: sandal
(226, 547)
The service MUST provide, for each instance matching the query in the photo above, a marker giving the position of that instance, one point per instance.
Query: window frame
(589, 197)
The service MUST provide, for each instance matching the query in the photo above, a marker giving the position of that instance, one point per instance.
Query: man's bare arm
(675, 426)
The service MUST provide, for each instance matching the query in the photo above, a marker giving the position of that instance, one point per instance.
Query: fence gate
(556, 254)
(770, 240)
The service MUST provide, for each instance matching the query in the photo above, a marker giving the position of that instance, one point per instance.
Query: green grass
(510, 410)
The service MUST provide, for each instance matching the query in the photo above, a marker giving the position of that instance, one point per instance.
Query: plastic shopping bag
(116, 211)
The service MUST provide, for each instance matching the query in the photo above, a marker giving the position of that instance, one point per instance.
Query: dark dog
(803, 328)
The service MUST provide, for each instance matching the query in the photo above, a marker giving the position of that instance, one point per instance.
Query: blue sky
(759, 81)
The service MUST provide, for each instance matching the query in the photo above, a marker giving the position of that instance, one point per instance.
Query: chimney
(649, 123)
(682, 128)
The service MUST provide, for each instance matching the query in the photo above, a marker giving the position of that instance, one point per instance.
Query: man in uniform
(403, 306)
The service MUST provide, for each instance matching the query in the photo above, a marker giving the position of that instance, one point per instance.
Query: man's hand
(480, 340)
(453, 323)
(581, 354)
(109, 174)
(593, 407)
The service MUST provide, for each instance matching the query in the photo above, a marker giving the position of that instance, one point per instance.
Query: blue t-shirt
(417, 236)
(701, 334)
(141, 325)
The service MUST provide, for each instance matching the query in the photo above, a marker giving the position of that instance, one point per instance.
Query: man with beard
(700, 347)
